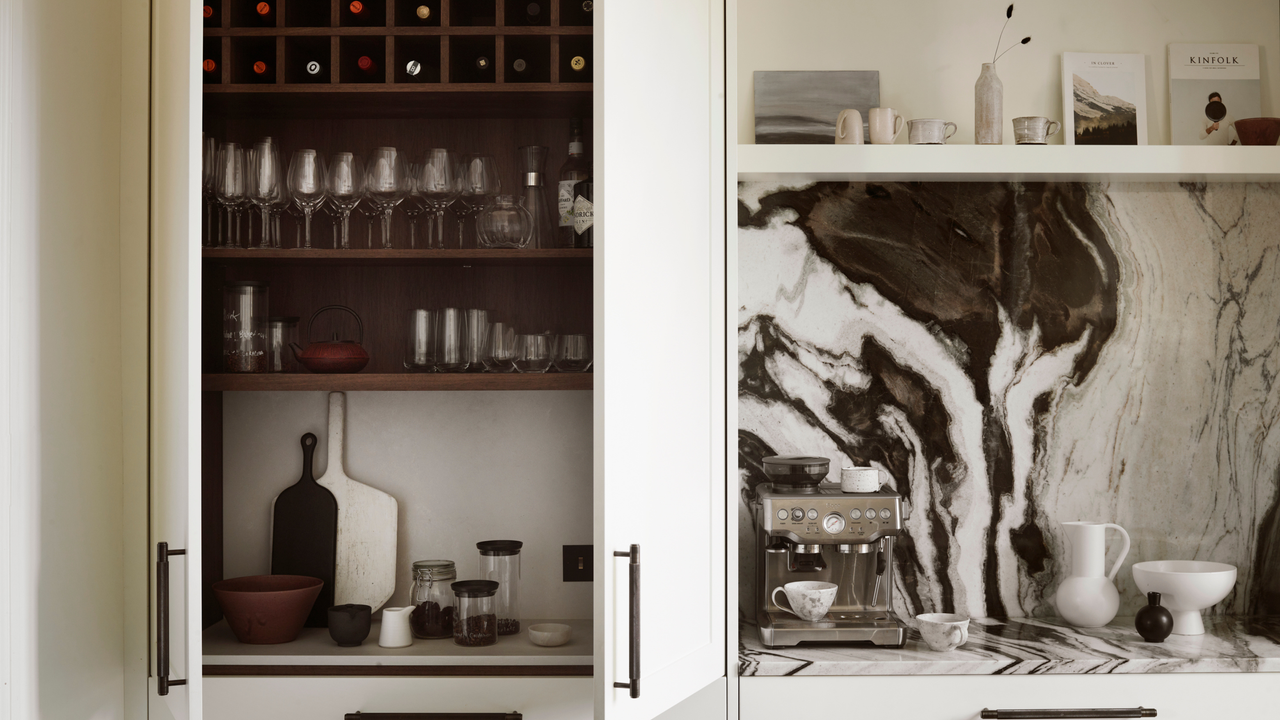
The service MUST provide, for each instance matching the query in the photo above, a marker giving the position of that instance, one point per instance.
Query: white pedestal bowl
(1186, 587)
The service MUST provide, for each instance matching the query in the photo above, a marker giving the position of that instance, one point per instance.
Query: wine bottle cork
(859, 479)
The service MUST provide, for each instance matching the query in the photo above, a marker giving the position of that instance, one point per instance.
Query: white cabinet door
(659, 330)
(175, 347)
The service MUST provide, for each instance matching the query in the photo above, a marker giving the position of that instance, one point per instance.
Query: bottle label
(583, 215)
(575, 148)
(565, 202)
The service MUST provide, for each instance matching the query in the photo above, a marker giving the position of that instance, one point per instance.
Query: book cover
(1210, 87)
(1104, 99)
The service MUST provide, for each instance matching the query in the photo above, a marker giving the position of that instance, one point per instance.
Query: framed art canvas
(801, 107)
(1104, 99)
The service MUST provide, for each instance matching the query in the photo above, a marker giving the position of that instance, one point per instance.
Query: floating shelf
(552, 256)
(933, 163)
(265, 382)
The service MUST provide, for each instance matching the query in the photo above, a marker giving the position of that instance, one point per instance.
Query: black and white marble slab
(1033, 647)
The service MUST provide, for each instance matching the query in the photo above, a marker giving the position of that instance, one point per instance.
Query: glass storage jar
(433, 601)
(244, 326)
(504, 224)
(474, 624)
(500, 562)
(281, 333)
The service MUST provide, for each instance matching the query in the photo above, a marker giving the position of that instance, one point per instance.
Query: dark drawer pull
(1068, 713)
(633, 622)
(434, 716)
(163, 681)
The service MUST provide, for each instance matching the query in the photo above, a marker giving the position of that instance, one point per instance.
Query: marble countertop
(1029, 646)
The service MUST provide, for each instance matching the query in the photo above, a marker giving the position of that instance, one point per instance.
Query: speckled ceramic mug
(810, 600)
(943, 631)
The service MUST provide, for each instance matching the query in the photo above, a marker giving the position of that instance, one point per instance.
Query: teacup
(943, 631)
(929, 131)
(1034, 130)
(885, 124)
(809, 599)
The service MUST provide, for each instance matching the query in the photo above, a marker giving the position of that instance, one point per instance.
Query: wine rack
(459, 46)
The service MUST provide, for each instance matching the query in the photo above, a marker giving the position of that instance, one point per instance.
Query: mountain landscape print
(1104, 98)
(1102, 119)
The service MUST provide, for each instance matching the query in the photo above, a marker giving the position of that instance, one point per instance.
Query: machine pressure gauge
(833, 523)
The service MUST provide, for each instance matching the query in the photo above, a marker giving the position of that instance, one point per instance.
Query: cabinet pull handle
(633, 622)
(434, 716)
(1068, 713)
(163, 683)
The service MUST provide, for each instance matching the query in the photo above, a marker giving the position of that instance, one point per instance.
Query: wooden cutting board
(304, 532)
(365, 571)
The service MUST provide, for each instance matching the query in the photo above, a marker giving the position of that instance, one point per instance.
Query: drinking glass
(499, 354)
(230, 183)
(345, 185)
(437, 188)
(533, 353)
(572, 353)
(473, 349)
(477, 178)
(209, 186)
(387, 181)
(420, 349)
(264, 183)
(306, 185)
(504, 224)
(451, 355)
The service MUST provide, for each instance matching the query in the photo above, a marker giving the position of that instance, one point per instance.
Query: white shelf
(1150, 163)
(314, 647)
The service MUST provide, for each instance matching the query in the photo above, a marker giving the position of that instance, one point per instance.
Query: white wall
(929, 52)
(60, 243)
(464, 467)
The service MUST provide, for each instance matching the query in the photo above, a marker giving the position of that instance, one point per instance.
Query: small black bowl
(349, 624)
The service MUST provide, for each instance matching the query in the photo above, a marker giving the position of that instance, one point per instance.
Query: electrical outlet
(577, 563)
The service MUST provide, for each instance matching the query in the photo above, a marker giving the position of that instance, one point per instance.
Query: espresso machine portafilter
(808, 531)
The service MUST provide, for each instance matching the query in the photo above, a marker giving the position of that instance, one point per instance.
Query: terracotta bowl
(1258, 131)
(267, 609)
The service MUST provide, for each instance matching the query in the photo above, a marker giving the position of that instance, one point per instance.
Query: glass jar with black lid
(474, 624)
(434, 604)
(500, 562)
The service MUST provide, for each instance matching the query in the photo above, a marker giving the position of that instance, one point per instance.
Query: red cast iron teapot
(333, 356)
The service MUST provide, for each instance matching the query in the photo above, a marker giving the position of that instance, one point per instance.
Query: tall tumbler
(244, 326)
(420, 341)
(451, 338)
(534, 199)
(477, 328)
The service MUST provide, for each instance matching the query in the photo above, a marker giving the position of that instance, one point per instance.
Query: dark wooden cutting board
(304, 533)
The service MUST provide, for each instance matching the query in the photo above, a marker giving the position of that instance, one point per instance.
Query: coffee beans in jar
(474, 623)
(433, 599)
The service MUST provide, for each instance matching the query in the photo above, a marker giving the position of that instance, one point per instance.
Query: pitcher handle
(1124, 550)
(774, 597)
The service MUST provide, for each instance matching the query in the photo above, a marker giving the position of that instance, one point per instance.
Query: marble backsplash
(1012, 356)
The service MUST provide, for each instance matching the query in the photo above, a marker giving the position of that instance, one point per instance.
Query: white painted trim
(730, 202)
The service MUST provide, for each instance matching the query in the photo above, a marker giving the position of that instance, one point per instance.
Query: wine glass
(437, 188)
(370, 211)
(413, 206)
(477, 179)
(345, 184)
(306, 185)
(230, 183)
(387, 183)
(264, 182)
(209, 186)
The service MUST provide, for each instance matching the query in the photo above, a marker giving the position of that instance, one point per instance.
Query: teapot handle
(359, 325)
(1124, 550)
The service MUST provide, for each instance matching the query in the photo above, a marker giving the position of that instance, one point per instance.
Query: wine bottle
(576, 169)
(261, 72)
(358, 9)
(413, 68)
(519, 66)
(423, 12)
(266, 13)
(584, 196)
(587, 6)
(482, 63)
(314, 71)
(578, 63)
(532, 14)
(210, 67)
(208, 13)
(367, 65)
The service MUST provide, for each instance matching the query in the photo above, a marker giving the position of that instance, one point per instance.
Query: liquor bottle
(367, 65)
(265, 13)
(210, 67)
(584, 198)
(576, 169)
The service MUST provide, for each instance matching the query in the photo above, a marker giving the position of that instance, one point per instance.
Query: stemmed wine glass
(413, 206)
(477, 182)
(209, 186)
(231, 184)
(306, 185)
(345, 185)
(437, 188)
(387, 183)
(264, 187)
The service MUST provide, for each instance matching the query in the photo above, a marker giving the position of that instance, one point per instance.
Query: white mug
(859, 479)
(929, 131)
(810, 600)
(885, 126)
(943, 631)
(1034, 130)
(849, 128)
(395, 627)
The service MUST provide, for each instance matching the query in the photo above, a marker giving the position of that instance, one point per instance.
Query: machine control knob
(782, 514)
(813, 514)
(884, 514)
(833, 523)
(797, 514)
(855, 514)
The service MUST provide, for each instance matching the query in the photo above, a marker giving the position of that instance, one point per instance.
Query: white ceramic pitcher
(1087, 598)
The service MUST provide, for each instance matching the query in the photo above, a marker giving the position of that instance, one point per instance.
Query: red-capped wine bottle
(261, 71)
(210, 68)
(358, 9)
(265, 13)
(367, 65)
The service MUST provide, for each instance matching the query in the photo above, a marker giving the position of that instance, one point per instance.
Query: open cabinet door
(659, 329)
(174, 360)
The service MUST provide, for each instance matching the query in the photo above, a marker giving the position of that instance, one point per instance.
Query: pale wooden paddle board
(365, 572)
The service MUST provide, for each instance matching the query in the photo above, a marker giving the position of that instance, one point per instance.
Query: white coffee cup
(943, 632)
(395, 627)
(929, 131)
(849, 128)
(1034, 130)
(810, 599)
(859, 479)
(885, 126)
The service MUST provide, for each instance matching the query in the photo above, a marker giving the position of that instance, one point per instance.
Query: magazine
(1104, 99)
(1210, 86)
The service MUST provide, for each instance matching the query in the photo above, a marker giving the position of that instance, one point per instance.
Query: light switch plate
(577, 563)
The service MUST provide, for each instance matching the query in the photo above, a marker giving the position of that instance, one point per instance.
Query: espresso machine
(813, 532)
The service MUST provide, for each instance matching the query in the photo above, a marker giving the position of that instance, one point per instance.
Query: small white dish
(549, 634)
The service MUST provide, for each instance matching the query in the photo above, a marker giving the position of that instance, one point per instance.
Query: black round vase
(349, 624)
(1153, 623)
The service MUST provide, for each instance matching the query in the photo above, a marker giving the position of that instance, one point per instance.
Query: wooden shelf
(397, 31)
(932, 163)
(415, 101)
(396, 381)
(553, 256)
